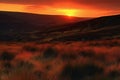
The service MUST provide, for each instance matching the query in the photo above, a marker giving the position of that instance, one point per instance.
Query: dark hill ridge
(24, 22)
(19, 26)
(106, 27)
(95, 23)
(26, 27)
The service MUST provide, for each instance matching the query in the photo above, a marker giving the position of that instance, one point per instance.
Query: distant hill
(18, 21)
(16, 26)
(106, 27)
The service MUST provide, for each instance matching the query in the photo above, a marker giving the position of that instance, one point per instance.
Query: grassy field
(90, 60)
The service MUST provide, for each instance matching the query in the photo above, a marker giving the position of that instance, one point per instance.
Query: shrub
(38, 74)
(50, 53)
(21, 64)
(68, 57)
(78, 72)
(89, 53)
(7, 65)
(7, 56)
(114, 73)
(31, 48)
(21, 74)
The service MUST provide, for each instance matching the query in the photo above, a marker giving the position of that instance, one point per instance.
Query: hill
(19, 21)
(16, 26)
(106, 27)
(13, 25)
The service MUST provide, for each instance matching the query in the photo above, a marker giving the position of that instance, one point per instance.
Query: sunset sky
(79, 8)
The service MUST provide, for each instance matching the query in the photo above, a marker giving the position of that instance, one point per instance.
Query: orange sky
(61, 8)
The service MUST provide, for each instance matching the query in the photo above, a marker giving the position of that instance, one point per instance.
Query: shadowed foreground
(93, 60)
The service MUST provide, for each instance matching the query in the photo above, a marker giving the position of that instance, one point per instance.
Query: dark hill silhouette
(107, 27)
(16, 26)
(22, 22)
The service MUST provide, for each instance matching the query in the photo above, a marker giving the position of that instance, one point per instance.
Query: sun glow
(68, 12)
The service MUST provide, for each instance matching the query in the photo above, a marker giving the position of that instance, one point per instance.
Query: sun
(68, 12)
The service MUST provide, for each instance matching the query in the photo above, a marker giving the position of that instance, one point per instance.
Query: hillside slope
(17, 21)
(107, 27)
(27, 27)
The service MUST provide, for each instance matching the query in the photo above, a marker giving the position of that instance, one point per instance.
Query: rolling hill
(16, 26)
(107, 27)
(25, 22)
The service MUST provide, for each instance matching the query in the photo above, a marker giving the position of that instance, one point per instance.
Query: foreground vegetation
(93, 60)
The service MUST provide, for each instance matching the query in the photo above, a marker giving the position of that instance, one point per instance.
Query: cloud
(100, 4)
(103, 6)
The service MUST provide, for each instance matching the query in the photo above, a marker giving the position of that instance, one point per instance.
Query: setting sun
(68, 12)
